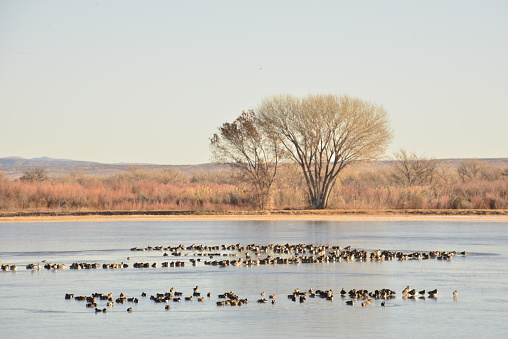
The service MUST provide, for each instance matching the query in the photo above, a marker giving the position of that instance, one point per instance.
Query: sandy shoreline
(501, 216)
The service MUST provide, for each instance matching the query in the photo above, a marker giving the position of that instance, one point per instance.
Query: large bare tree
(325, 133)
(247, 145)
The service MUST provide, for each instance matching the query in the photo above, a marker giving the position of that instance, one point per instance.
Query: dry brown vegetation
(367, 186)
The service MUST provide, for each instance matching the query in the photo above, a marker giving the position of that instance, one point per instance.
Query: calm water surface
(32, 303)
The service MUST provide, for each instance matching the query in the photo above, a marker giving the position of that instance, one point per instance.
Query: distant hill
(43, 161)
(490, 161)
(14, 167)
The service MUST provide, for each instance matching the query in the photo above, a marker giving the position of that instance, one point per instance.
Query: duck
(129, 309)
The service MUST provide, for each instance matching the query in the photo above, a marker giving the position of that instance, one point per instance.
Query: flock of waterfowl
(353, 297)
(248, 255)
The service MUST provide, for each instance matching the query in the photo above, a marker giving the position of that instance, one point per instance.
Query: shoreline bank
(326, 215)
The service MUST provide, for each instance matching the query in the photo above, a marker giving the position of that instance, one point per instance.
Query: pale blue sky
(150, 81)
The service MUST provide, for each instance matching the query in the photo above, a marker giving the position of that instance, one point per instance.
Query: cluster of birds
(411, 293)
(361, 296)
(38, 266)
(176, 296)
(92, 300)
(290, 254)
(248, 255)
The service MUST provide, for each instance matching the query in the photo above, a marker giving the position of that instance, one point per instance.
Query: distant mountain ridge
(44, 161)
(14, 167)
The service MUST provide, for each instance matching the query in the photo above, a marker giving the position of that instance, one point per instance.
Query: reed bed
(221, 190)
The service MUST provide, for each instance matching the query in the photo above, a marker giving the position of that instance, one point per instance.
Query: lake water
(32, 302)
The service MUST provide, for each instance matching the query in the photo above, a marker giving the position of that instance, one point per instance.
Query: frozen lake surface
(32, 302)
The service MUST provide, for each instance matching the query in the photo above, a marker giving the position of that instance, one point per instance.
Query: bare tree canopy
(413, 170)
(34, 175)
(248, 145)
(474, 169)
(324, 134)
